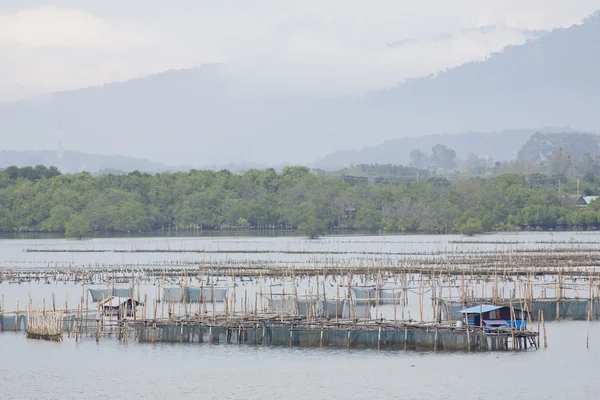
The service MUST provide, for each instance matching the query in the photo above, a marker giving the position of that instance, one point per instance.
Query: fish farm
(466, 296)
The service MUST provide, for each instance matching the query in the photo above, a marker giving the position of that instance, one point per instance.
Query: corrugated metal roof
(483, 308)
(589, 199)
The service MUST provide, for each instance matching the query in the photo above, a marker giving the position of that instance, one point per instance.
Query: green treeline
(41, 199)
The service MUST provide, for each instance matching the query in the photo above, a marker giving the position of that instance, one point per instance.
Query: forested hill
(43, 200)
(203, 115)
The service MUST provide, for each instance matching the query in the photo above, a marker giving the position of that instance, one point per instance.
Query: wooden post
(468, 337)
(539, 317)
(394, 297)
(337, 302)
(421, 295)
(271, 297)
(245, 303)
(558, 296)
(544, 329)
(589, 316)
(282, 301)
(87, 310)
(154, 324)
(98, 324)
(450, 295)
(512, 324)
(214, 305)
(325, 308)
(260, 289)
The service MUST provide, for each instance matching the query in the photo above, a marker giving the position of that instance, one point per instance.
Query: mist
(318, 48)
(273, 83)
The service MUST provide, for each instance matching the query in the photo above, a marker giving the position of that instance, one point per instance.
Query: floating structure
(190, 294)
(45, 325)
(102, 293)
(376, 294)
(307, 306)
(490, 316)
(119, 306)
(13, 322)
(576, 309)
(118, 317)
(345, 333)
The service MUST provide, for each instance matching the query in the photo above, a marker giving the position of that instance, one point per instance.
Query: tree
(471, 227)
(78, 227)
(132, 217)
(6, 220)
(418, 159)
(442, 157)
(474, 163)
(312, 226)
(242, 223)
(559, 162)
(59, 217)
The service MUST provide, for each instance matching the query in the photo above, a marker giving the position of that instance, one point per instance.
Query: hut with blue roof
(488, 315)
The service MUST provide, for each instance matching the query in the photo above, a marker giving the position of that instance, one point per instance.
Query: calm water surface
(110, 370)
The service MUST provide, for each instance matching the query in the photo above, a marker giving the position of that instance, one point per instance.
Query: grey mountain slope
(203, 116)
(549, 82)
(195, 117)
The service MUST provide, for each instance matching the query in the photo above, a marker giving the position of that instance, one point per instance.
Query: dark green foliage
(312, 226)
(296, 198)
(31, 173)
(471, 227)
(77, 227)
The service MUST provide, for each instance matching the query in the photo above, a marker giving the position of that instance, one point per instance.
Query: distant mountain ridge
(75, 161)
(500, 146)
(204, 116)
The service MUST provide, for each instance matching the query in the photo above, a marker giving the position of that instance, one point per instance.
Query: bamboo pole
(544, 329)
(589, 316)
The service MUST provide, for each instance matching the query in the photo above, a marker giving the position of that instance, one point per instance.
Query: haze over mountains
(498, 146)
(75, 161)
(206, 116)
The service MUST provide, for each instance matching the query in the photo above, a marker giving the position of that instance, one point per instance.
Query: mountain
(540, 146)
(499, 146)
(206, 115)
(75, 161)
(198, 117)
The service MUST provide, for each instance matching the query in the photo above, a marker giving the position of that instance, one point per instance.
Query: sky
(321, 47)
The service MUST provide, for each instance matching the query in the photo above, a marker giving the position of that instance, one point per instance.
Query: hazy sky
(319, 46)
